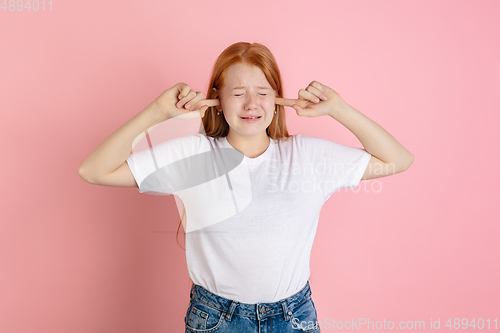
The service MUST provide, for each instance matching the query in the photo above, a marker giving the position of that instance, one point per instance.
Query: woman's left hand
(312, 101)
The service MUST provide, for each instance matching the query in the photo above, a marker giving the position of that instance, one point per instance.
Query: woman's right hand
(181, 99)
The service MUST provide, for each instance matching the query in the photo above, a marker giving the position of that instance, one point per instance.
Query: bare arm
(107, 165)
(388, 155)
(111, 154)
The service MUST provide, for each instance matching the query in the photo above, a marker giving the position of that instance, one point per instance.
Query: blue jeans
(210, 313)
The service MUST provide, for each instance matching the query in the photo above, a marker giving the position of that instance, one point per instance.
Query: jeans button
(262, 310)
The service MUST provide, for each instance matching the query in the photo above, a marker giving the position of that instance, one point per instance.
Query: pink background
(417, 245)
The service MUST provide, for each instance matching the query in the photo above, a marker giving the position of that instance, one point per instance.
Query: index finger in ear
(210, 102)
(285, 101)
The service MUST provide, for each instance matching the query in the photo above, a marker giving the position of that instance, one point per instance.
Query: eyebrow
(242, 87)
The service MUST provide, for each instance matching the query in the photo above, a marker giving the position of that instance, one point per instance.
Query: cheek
(269, 105)
(231, 103)
(225, 105)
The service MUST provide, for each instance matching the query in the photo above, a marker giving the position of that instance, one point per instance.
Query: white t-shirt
(251, 222)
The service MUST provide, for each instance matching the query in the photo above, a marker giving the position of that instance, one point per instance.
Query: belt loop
(191, 292)
(231, 310)
(286, 313)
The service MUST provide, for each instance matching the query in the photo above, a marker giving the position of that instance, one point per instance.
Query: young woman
(251, 191)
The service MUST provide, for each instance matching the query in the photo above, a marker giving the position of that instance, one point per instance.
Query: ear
(216, 96)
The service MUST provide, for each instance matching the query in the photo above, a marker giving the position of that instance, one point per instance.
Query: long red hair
(253, 54)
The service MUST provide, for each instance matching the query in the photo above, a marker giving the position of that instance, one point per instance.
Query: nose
(251, 101)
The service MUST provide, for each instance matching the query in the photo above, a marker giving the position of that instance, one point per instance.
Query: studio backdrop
(413, 250)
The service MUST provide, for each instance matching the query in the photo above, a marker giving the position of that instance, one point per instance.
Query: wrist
(339, 109)
(154, 114)
(149, 117)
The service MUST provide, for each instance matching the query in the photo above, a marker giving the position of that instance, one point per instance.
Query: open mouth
(255, 117)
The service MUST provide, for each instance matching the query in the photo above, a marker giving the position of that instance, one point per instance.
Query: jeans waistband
(258, 310)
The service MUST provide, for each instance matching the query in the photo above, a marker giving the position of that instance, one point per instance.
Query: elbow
(408, 162)
(81, 173)
(84, 175)
(402, 164)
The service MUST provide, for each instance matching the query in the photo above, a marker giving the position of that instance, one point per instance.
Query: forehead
(240, 75)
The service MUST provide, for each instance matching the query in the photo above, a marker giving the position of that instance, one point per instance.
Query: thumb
(297, 108)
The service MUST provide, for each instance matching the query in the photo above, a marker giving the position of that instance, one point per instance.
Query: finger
(303, 103)
(290, 102)
(210, 102)
(285, 101)
(304, 94)
(317, 93)
(319, 86)
(298, 109)
(204, 102)
(184, 89)
(192, 103)
(203, 109)
(183, 100)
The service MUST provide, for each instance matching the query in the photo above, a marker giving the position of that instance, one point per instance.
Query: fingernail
(179, 105)
(316, 100)
(324, 98)
(188, 106)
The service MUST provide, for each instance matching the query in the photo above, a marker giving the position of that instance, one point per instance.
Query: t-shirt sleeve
(152, 167)
(335, 165)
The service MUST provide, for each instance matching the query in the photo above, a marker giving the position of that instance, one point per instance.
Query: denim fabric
(210, 313)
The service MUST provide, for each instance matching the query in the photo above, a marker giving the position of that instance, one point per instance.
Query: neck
(250, 146)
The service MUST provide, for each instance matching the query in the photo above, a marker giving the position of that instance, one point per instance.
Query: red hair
(253, 54)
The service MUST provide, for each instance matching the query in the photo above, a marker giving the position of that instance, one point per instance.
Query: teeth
(250, 117)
